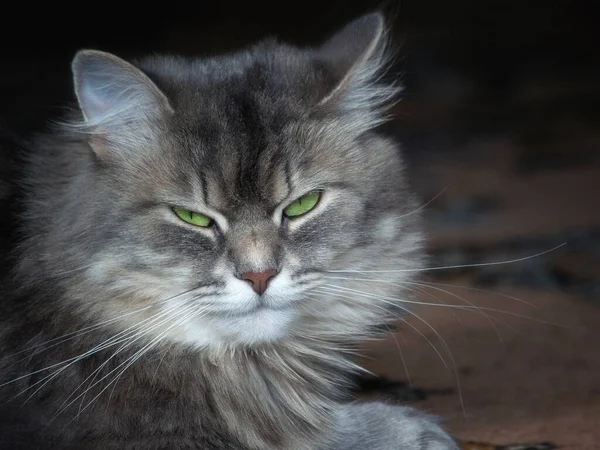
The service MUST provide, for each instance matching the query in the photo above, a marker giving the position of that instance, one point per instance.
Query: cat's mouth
(257, 309)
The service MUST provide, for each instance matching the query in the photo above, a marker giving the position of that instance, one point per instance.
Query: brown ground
(521, 381)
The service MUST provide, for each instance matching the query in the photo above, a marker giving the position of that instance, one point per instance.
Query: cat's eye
(302, 205)
(193, 218)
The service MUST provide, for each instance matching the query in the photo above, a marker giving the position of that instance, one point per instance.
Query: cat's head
(233, 200)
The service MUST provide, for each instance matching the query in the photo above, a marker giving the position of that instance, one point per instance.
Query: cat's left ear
(354, 58)
(118, 101)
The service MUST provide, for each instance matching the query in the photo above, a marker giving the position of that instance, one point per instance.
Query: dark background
(468, 66)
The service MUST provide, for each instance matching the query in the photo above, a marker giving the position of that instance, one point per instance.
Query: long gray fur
(104, 261)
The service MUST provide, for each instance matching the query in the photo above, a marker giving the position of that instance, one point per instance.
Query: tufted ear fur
(118, 101)
(355, 57)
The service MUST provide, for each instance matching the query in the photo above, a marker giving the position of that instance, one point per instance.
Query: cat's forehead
(241, 124)
(241, 153)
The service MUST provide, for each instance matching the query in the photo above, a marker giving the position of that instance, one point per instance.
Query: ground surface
(524, 381)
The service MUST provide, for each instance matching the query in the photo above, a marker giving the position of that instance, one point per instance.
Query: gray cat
(189, 275)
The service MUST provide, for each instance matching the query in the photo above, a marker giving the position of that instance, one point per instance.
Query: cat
(192, 242)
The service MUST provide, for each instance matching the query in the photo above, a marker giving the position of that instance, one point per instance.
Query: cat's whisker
(441, 339)
(160, 361)
(131, 360)
(113, 340)
(404, 365)
(99, 347)
(488, 291)
(75, 334)
(425, 283)
(452, 360)
(414, 302)
(467, 307)
(345, 296)
(194, 313)
(48, 378)
(64, 406)
(478, 309)
(422, 287)
(137, 334)
(457, 266)
(425, 205)
(356, 352)
(475, 307)
(419, 332)
(164, 318)
(415, 287)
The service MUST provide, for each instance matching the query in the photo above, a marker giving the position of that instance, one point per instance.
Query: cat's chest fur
(181, 400)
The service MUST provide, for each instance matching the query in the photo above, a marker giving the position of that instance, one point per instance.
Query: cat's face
(227, 195)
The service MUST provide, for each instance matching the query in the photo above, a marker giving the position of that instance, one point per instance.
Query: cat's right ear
(118, 101)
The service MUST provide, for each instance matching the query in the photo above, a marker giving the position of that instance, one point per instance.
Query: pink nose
(259, 280)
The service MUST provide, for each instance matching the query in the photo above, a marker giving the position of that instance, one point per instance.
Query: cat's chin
(263, 325)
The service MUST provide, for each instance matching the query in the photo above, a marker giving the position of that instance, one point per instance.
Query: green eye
(303, 205)
(193, 218)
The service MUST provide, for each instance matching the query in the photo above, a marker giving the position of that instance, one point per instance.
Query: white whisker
(120, 337)
(114, 340)
(163, 318)
(465, 307)
(138, 336)
(458, 266)
(130, 361)
(441, 339)
(488, 291)
(88, 329)
(190, 314)
(422, 207)
(130, 340)
(403, 320)
(408, 380)
(477, 309)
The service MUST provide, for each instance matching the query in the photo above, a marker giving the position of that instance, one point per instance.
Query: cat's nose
(259, 280)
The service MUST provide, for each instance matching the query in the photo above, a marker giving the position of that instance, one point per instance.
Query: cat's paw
(415, 430)
(378, 426)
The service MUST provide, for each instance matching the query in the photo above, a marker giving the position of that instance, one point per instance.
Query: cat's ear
(115, 97)
(355, 57)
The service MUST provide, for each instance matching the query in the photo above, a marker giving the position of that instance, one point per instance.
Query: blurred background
(500, 126)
